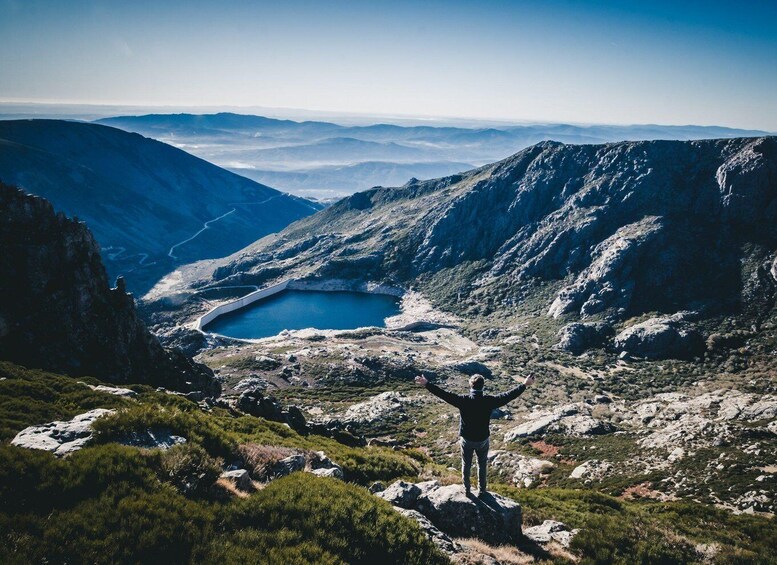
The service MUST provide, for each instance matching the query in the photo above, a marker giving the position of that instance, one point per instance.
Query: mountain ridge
(618, 230)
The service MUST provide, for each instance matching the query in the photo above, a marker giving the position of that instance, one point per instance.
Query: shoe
(467, 492)
(483, 494)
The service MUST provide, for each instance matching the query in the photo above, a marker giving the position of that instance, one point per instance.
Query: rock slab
(61, 437)
(490, 517)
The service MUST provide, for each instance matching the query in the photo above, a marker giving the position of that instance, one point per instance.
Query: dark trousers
(467, 449)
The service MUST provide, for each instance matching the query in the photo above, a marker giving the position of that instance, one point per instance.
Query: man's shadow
(486, 499)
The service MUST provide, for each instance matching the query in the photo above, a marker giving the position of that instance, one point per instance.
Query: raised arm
(510, 395)
(449, 397)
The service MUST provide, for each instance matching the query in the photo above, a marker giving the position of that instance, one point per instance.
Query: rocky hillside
(58, 312)
(575, 232)
(151, 206)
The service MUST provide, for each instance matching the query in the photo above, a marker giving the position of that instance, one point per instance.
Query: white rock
(550, 530)
(240, 478)
(378, 407)
(117, 391)
(593, 469)
(61, 437)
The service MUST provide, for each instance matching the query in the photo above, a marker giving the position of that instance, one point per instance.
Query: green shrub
(281, 547)
(132, 527)
(613, 539)
(343, 520)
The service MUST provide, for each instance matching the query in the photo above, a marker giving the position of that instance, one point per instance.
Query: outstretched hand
(528, 381)
(421, 380)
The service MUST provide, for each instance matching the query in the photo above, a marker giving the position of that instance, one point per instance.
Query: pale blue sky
(595, 62)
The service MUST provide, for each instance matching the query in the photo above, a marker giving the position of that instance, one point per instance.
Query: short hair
(476, 382)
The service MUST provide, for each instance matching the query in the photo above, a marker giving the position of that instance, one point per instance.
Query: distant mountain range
(151, 206)
(570, 232)
(315, 158)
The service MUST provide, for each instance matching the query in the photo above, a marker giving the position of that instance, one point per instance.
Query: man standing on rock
(475, 415)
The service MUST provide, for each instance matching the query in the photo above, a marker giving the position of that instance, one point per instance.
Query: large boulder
(442, 541)
(490, 517)
(288, 466)
(61, 437)
(152, 438)
(574, 419)
(255, 403)
(401, 494)
(661, 338)
(575, 338)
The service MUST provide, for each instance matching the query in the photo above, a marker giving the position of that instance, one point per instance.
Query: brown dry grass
(476, 550)
(259, 459)
(504, 554)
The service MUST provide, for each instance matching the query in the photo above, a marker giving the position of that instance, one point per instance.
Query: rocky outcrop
(576, 337)
(440, 539)
(116, 391)
(490, 517)
(384, 405)
(661, 338)
(573, 419)
(61, 437)
(524, 471)
(255, 403)
(152, 438)
(57, 311)
(607, 282)
(676, 420)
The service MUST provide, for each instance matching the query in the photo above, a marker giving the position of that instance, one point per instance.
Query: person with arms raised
(475, 415)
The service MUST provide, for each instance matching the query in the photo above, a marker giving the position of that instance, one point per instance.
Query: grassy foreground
(110, 503)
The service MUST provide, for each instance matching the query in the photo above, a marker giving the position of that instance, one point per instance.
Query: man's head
(476, 382)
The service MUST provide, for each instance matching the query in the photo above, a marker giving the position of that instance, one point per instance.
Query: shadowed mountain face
(326, 160)
(57, 311)
(151, 206)
(618, 229)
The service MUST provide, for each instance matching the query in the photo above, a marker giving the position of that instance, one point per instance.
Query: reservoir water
(296, 310)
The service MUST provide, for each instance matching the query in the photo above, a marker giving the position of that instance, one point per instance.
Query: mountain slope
(145, 201)
(57, 311)
(617, 230)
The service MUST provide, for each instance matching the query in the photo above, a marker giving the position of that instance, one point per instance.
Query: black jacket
(475, 409)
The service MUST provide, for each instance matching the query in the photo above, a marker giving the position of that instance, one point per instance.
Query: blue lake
(296, 310)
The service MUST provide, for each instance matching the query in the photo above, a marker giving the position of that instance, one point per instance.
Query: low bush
(281, 547)
(190, 468)
(343, 520)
